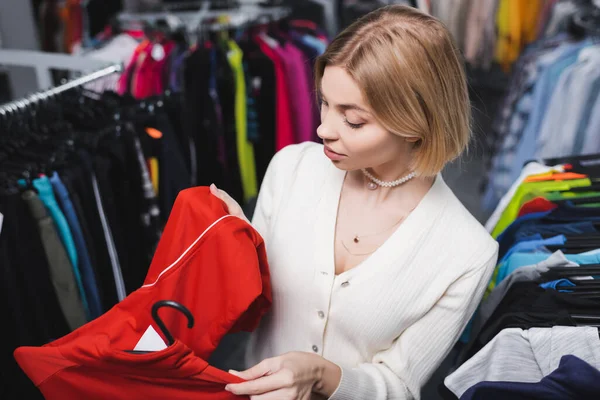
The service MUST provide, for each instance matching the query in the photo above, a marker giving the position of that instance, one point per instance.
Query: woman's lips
(332, 155)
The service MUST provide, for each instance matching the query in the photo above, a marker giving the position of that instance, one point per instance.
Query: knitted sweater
(388, 322)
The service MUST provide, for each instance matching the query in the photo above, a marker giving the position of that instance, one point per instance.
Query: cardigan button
(345, 284)
(315, 349)
(321, 314)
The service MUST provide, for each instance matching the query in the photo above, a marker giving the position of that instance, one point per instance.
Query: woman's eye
(351, 125)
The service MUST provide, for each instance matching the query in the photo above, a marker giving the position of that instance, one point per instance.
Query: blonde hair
(410, 73)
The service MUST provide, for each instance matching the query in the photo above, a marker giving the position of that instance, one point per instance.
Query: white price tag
(150, 341)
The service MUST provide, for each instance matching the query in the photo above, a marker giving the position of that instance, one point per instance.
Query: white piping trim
(187, 250)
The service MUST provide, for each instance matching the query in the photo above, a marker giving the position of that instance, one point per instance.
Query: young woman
(376, 266)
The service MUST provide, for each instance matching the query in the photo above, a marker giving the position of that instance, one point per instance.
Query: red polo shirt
(213, 264)
(90, 368)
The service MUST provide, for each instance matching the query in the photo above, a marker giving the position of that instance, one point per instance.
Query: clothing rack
(192, 21)
(16, 105)
(43, 63)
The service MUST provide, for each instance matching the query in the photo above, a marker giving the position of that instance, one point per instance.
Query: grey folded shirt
(517, 355)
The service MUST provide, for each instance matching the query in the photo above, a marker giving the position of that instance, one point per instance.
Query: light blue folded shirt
(518, 260)
(527, 246)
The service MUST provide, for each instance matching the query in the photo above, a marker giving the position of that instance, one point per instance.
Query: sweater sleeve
(279, 174)
(400, 371)
(261, 219)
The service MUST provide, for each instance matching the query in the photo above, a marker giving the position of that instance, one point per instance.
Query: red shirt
(90, 368)
(212, 263)
(539, 204)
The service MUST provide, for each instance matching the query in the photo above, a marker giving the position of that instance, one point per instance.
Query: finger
(258, 386)
(222, 195)
(215, 191)
(231, 203)
(259, 370)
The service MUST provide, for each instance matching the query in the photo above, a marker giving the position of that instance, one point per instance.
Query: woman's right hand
(233, 208)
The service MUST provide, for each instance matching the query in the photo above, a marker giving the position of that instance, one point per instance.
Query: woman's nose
(326, 131)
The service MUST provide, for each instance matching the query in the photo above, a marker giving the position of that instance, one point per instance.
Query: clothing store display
(538, 204)
(531, 168)
(527, 188)
(517, 355)
(87, 272)
(548, 110)
(61, 268)
(480, 33)
(245, 149)
(285, 133)
(117, 49)
(86, 226)
(573, 379)
(106, 211)
(44, 189)
(226, 291)
(296, 210)
(244, 98)
(537, 324)
(523, 274)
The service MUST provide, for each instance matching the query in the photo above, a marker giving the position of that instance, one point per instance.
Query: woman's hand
(292, 376)
(233, 208)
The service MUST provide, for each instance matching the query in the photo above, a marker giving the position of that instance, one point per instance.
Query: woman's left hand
(292, 376)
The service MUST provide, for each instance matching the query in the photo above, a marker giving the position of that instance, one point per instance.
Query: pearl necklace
(377, 182)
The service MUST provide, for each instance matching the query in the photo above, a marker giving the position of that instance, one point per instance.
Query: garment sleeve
(400, 371)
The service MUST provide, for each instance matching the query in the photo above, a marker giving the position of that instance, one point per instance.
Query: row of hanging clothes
(130, 352)
(535, 334)
(87, 182)
(66, 25)
(247, 88)
(552, 105)
(498, 31)
(88, 177)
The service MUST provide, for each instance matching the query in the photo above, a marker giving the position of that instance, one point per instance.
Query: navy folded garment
(573, 379)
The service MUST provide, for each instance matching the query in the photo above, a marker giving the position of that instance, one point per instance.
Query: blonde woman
(376, 265)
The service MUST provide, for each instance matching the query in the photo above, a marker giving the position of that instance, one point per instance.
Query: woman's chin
(342, 165)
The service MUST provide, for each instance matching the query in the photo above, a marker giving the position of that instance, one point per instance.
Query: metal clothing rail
(21, 104)
(192, 21)
(43, 63)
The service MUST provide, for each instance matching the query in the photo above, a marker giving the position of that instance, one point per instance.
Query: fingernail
(228, 388)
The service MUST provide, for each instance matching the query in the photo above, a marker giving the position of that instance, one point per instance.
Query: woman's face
(352, 137)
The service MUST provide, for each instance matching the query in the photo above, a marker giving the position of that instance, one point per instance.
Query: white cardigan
(388, 322)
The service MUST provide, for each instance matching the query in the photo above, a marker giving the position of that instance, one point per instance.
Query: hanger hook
(161, 324)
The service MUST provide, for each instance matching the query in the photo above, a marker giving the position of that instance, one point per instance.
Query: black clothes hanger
(571, 159)
(594, 187)
(574, 249)
(569, 272)
(579, 200)
(581, 237)
(161, 324)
